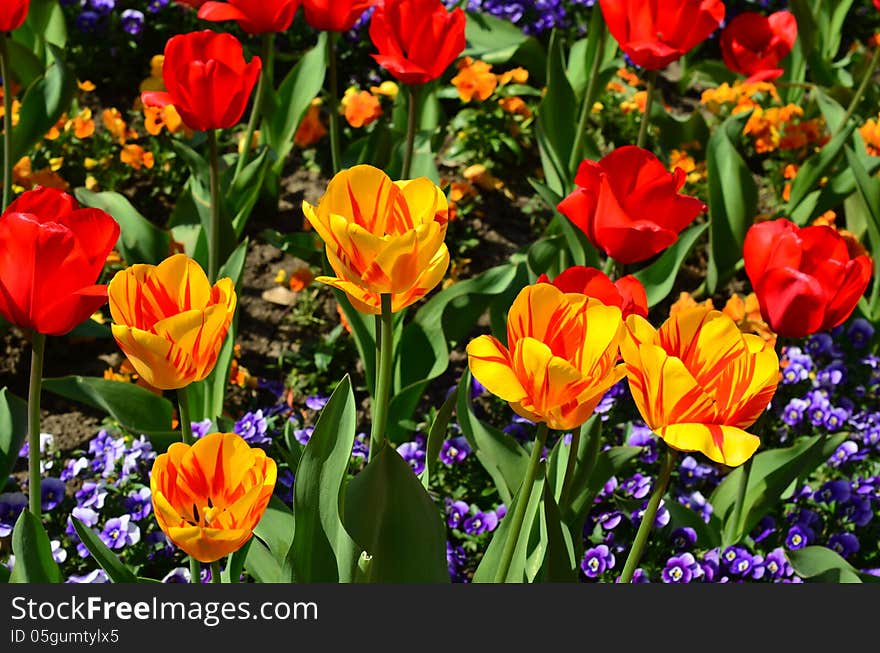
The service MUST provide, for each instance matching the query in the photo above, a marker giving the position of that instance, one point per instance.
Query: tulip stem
(638, 547)
(335, 147)
(7, 121)
(853, 105)
(36, 386)
(186, 432)
(385, 349)
(406, 170)
(215, 572)
(589, 95)
(257, 108)
(214, 236)
(649, 102)
(522, 502)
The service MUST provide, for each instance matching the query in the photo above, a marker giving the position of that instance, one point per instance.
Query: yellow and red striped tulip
(382, 237)
(208, 497)
(170, 321)
(699, 382)
(559, 359)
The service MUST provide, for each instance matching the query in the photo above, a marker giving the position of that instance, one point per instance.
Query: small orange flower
(518, 75)
(301, 278)
(311, 129)
(136, 157)
(361, 107)
(474, 79)
(515, 105)
(83, 126)
(870, 132)
(209, 497)
(114, 123)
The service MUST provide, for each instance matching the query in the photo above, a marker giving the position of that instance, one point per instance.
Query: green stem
(853, 105)
(257, 108)
(186, 435)
(385, 350)
(570, 465)
(410, 132)
(7, 121)
(589, 97)
(335, 146)
(36, 385)
(522, 502)
(214, 235)
(215, 572)
(638, 547)
(649, 102)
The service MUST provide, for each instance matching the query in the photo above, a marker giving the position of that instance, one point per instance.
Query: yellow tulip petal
(365, 195)
(724, 444)
(664, 390)
(491, 365)
(541, 306)
(426, 202)
(208, 544)
(604, 332)
(183, 280)
(198, 333)
(155, 359)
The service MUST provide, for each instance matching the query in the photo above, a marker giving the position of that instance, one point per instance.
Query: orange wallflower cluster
(137, 157)
(870, 132)
(780, 128)
(515, 105)
(475, 79)
(742, 95)
(696, 172)
(744, 311)
(311, 129)
(360, 108)
(25, 178)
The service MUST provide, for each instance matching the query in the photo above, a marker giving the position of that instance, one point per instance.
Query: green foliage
(33, 553)
(13, 430)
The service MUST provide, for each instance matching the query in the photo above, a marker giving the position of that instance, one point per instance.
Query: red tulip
(12, 14)
(51, 254)
(806, 279)
(877, 4)
(335, 15)
(627, 293)
(207, 78)
(628, 204)
(654, 33)
(253, 16)
(417, 39)
(753, 44)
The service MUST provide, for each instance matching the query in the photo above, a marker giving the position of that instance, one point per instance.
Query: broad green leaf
(322, 550)
(13, 430)
(498, 452)
(659, 277)
(554, 116)
(262, 565)
(43, 104)
(869, 191)
(33, 553)
(437, 434)
(244, 190)
(498, 41)
(822, 565)
(140, 241)
(109, 561)
(137, 410)
(25, 67)
(733, 201)
(276, 530)
(772, 472)
(488, 567)
(559, 563)
(580, 249)
(289, 104)
(388, 512)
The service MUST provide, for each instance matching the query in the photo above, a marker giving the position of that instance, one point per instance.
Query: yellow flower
(387, 89)
(169, 321)
(560, 357)
(382, 237)
(209, 497)
(698, 381)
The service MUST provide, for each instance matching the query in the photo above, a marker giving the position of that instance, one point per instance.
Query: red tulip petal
(792, 303)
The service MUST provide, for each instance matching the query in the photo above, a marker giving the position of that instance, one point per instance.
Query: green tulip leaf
(109, 561)
(33, 552)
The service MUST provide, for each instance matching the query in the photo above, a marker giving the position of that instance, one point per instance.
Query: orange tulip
(559, 359)
(169, 321)
(698, 381)
(382, 237)
(208, 497)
